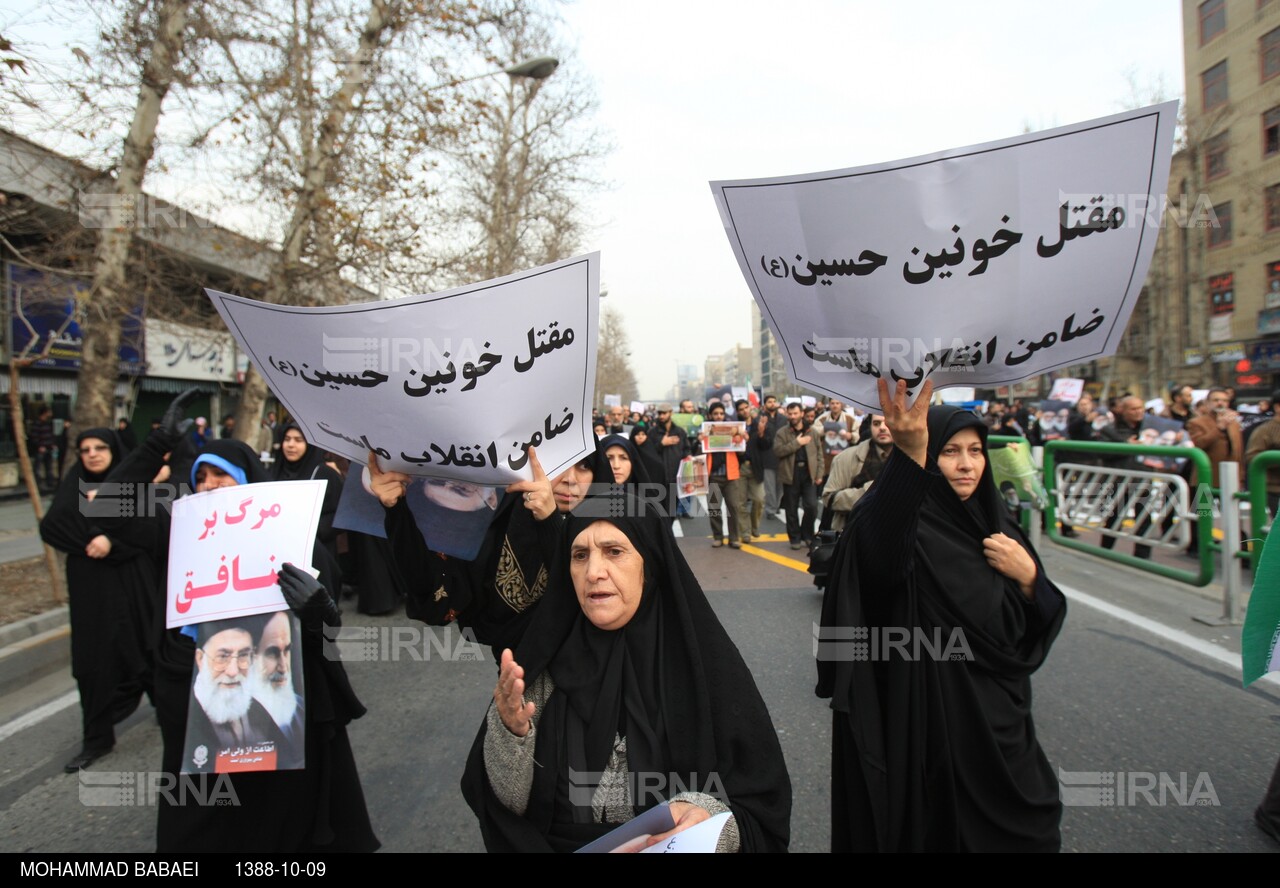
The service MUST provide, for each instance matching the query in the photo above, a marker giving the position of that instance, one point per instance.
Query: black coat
(320, 808)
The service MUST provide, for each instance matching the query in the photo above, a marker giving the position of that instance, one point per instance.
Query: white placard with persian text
(978, 266)
(226, 546)
(449, 385)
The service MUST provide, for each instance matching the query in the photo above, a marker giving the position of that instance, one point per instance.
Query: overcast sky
(697, 91)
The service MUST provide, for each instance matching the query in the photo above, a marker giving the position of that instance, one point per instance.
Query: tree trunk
(110, 298)
(282, 284)
(28, 472)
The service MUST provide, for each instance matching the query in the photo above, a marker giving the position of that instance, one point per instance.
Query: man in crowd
(800, 470)
(1179, 407)
(667, 444)
(853, 472)
(767, 426)
(41, 443)
(1125, 430)
(1267, 437)
(751, 470)
(1218, 433)
(725, 488)
(615, 419)
(836, 419)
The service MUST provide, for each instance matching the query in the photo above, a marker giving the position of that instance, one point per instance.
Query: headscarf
(236, 458)
(671, 681)
(639, 474)
(312, 459)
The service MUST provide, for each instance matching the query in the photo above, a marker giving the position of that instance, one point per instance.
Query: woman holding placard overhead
(933, 745)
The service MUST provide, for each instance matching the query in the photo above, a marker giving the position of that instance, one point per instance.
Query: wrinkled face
(615, 415)
(608, 575)
(275, 652)
(460, 496)
(228, 655)
(571, 486)
(962, 461)
(95, 455)
(1219, 400)
(211, 478)
(294, 445)
(1132, 411)
(619, 463)
(880, 431)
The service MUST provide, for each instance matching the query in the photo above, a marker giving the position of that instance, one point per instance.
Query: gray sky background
(697, 91)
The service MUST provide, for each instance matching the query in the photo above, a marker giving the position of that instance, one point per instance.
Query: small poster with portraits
(692, 476)
(1156, 431)
(1052, 419)
(724, 437)
(246, 709)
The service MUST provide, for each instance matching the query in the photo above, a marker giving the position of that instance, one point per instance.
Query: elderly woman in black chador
(933, 746)
(112, 586)
(625, 675)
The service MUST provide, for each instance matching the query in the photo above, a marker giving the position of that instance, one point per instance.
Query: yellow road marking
(775, 558)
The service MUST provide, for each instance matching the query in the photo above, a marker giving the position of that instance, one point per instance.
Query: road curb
(33, 648)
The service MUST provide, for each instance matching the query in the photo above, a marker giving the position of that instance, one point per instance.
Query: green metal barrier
(1256, 492)
(1201, 577)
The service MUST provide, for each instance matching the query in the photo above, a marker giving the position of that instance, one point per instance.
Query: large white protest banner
(226, 547)
(977, 266)
(451, 385)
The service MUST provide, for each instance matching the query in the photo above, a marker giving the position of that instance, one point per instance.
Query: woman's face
(619, 462)
(962, 462)
(95, 455)
(293, 445)
(608, 575)
(211, 478)
(570, 486)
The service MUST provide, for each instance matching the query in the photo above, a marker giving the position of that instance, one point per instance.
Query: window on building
(1272, 207)
(1271, 132)
(1220, 229)
(1222, 297)
(1269, 53)
(1213, 86)
(1213, 19)
(1215, 156)
(1272, 299)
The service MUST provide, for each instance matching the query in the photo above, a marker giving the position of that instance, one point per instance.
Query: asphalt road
(1143, 706)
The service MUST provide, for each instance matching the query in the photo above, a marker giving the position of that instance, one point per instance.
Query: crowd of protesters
(805, 464)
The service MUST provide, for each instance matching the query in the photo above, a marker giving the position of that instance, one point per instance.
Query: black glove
(174, 423)
(308, 598)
